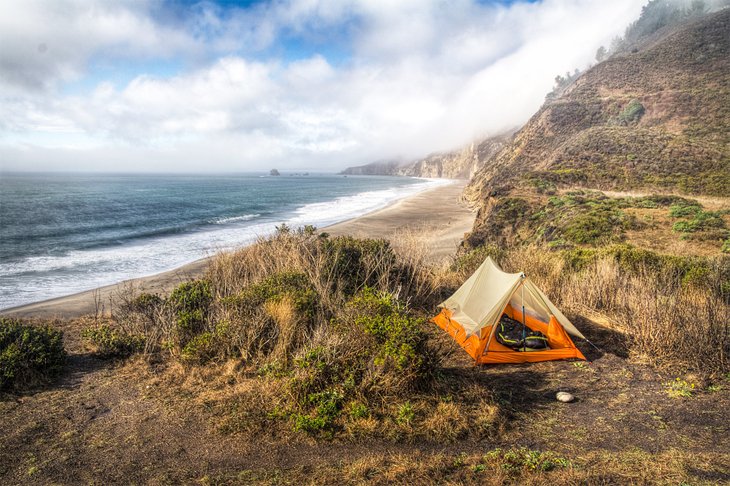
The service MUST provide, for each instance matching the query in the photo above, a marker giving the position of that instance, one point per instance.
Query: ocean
(65, 233)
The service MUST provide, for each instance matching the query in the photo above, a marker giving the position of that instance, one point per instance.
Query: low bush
(700, 221)
(272, 318)
(400, 340)
(145, 304)
(373, 350)
(354, 263)
(29, 355)
(113, 343)
(631, 113)
(326, 406)
(190, 302)
(684, 208)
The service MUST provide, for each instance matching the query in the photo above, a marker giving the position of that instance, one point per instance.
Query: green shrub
(593, 227)
(113, 343)
(405, 414)
(726, 246)
(568, 176)
(191, 302)
(701, 221)
(273, 317)
(294, 285)
(399, 337)
(28, 354)
(378, 349)
(510, 211)
(144, 304)
(359, 410)
(631, 113)
(579, 258)
(354, 263)
(327, 406)
(200, 349)
(684, 209)
(583, 218)
(541, 185)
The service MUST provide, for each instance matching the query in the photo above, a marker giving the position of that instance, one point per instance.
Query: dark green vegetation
(29, 355)
(112, 343)
(585, 218)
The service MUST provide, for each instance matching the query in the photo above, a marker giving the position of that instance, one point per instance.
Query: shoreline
(437, 213)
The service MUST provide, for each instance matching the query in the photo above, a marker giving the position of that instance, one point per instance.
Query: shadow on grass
(516, 388)
(71, 376)
(607, 340)
(80, 365)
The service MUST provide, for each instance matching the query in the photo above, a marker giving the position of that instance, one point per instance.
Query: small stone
(564, 397)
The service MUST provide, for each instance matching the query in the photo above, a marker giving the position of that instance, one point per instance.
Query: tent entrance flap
(472, 314)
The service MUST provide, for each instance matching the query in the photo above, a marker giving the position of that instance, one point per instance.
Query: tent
(471, 316)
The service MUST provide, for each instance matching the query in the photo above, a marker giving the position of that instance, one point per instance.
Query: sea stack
(274, 172)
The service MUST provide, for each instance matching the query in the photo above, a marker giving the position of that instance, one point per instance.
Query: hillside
(458, 164)
(655, 120)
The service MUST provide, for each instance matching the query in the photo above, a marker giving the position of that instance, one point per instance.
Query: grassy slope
(657, 120)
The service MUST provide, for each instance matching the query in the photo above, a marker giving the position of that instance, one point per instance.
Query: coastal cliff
(651, 120)
(458, 164)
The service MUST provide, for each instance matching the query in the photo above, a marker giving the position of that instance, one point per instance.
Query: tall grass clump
(266, 300)
(29, 355)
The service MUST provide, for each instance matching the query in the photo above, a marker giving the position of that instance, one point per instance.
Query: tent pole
(524, 328)
(597, 348)
(493, 329)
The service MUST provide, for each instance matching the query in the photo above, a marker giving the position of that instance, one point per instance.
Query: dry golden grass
(446, 423)
(291, 334)
(499, 467)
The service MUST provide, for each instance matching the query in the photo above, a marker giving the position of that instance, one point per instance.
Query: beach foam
(37, 278)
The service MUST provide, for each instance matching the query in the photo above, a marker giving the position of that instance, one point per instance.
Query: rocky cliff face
(459, 164)
(381, 167)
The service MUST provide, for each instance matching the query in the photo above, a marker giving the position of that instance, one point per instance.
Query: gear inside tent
(500, 317)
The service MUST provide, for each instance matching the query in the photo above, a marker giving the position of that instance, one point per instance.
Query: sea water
(66, 233)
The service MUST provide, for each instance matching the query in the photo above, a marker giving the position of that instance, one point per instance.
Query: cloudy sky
(155, 85)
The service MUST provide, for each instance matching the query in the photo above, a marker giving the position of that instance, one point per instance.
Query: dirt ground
(131, 422)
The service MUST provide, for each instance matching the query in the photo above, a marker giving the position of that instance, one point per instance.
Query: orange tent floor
(561, 346)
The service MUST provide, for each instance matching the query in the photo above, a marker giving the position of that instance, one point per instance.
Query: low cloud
(297, 84)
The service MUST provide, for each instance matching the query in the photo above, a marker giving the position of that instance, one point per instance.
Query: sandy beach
(438, 217)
